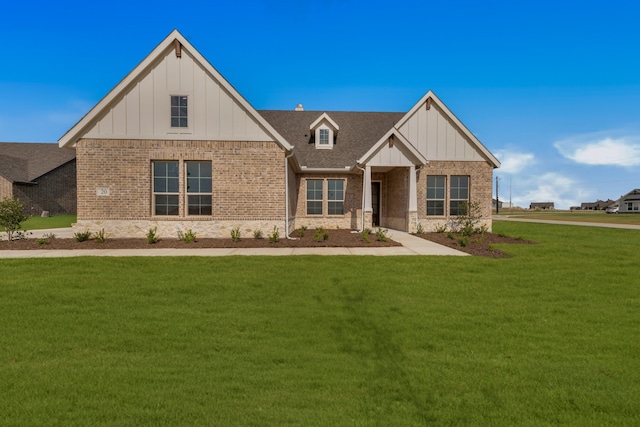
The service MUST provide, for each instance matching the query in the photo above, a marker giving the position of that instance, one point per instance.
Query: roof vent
(299, 107)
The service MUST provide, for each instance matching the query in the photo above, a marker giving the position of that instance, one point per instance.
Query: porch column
(412, 211)
(367, 189)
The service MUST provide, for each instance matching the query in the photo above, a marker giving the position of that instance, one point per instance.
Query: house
(542, 206)
(598, 205)
(175, 146)
(630, 202)
(41, 176)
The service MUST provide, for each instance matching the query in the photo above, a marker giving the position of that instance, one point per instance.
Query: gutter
(327, 170)
(286, 195)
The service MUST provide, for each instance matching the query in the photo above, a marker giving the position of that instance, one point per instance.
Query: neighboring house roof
(23, 162)
(631, 195)
(358, 133)
(174, 41)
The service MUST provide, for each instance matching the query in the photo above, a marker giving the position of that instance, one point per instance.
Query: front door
(375, 203)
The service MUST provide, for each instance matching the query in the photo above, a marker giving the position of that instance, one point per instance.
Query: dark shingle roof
(24, 162)
(358, 133)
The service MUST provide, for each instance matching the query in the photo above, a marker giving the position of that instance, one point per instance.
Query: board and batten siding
(143, 111)
(437, 138)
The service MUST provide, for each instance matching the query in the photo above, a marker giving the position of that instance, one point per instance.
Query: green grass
(39, 223)
(548, 337)
(581, 216)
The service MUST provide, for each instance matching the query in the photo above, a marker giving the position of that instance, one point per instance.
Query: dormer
(325, 131)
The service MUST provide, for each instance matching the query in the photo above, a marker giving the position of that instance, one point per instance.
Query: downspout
(364, 188)
(286, 195)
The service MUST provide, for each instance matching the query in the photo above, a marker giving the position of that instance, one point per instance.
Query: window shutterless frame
(166, 188)
(314, 197)
(198, 188)
(179, 111)
(436, 190)
(335, 195)
(458, 194)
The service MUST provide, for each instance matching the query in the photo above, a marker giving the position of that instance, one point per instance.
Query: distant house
(542, 206)
(599, 205)
(630, 202)
(42, 176)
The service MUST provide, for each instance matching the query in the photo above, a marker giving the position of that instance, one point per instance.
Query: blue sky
(552, 88)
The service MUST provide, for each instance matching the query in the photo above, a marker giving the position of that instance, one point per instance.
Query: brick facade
(54, 192)
(480, 189)
(115, 188)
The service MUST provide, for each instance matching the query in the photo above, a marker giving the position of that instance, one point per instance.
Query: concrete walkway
(583, 224)
(411, 245)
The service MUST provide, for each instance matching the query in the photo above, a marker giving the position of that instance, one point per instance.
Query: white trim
(324, 116)
(70, 138)
(418, 159)
(430, 98)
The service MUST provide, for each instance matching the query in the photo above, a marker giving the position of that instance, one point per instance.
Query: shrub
(152, 235)
(419, 229)
(258, 234)
(463, 241)
(46, 239)
(301, 231)
(11, 215)
(381, 235)
(82, 236)
(274, 237)
(187, 237)
(100, 236)
(235, 234)
(466, 222)
(320, 234)
(365, 235)
(441, 228)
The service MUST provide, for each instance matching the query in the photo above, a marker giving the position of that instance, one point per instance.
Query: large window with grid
(314, 197)
(436, 190)
(179, 111)
(335, 189)
(198, 183)
(166, 188)
(458, 194)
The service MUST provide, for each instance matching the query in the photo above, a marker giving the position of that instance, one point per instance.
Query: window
(324, 136)
(166, 188)
(314, 197)
(458, 194)
(179, 112)
(336, 196)
(436, 185)
(198, 188)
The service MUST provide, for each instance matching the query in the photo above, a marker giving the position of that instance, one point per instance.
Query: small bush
(46, 239)
(450, 235)
(187, 237)
(419, 229)
(235, 234)
(365, 235)
(381, 235)
(100, 236)
(258, 234)
(463, 241)
(301, 231)
(274, 237)
(441, 228)
(82, 236)
(320, 234)
(152, 235)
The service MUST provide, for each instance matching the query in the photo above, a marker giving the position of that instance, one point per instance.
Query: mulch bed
(478, 244)
(337, 238)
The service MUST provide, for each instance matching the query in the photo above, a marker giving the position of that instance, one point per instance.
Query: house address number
(102, 192)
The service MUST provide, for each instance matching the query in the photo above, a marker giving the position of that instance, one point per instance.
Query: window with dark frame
(436, 190)
(166, 188)
(314, 197)
(179, 111)
(335, 189)
(458, 194)
(198, 188)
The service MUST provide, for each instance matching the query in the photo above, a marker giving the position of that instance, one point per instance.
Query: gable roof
(431, 97)
(631, 195)
(358, 133)
(177, 41)
(408, 148)
(24, 162)
(322, 117)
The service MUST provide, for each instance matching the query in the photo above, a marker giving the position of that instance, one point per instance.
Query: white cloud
(514, 162)
(598, 149)
(562, 190)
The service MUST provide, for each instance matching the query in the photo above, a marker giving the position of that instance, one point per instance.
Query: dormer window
(323, 137)
(325, 131)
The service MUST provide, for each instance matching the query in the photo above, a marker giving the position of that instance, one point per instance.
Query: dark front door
(375, 203)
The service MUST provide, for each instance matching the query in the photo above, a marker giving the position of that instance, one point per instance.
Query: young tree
(11, 215)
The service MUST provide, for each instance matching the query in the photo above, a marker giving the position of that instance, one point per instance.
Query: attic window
(323, 137)
(179, 111)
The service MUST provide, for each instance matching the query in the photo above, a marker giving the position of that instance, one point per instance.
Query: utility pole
(497, 197)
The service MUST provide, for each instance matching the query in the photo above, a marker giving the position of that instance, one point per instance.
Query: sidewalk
(411, 245)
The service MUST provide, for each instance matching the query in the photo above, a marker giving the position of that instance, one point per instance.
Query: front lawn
(40, 223)
(547, 337)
